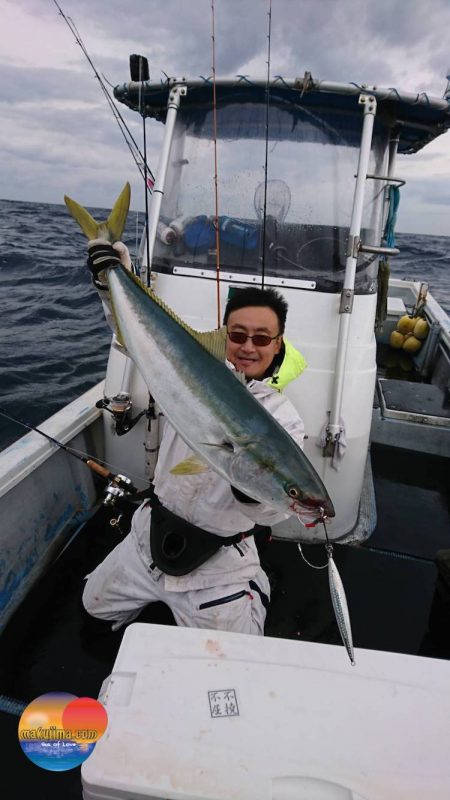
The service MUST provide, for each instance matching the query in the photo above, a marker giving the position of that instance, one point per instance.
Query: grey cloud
(62, 120)
(437, 200)
(343, 40)
(20, 84)
(425, 155)
(391, 42)
(363, 41)
(433, 191)
(176, 35)
(72, 146)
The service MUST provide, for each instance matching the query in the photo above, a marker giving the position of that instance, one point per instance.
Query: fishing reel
(119, 488)
(120, 406)
(118, 493)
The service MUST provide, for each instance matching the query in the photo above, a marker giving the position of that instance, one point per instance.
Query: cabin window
(312, 161)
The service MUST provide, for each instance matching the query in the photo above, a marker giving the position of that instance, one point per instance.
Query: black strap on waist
(177, 546)
(225, 541)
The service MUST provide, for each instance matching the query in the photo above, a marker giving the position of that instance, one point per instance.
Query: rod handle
(105, 473)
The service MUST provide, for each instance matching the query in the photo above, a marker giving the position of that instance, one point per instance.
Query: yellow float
(396, 340)
(406, 324)
(421, 329)
(409, 334)
(411, 344)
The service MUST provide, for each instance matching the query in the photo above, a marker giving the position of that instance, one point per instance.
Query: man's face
(249, 358)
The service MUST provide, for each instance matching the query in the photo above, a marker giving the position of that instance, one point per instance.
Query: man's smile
(249, 323)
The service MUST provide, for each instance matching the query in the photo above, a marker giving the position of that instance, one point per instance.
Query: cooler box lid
(216, 715)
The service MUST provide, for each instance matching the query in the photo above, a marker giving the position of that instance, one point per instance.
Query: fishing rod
(140, 72)
(216, 189)
(139, 159)
(269, 36)
(118, 486)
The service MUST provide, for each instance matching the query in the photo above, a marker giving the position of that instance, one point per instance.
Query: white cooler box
(223, 716)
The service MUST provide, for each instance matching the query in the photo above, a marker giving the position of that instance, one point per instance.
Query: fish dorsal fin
(213, 341)
(110, 229)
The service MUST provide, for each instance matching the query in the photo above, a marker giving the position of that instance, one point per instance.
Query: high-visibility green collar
(290, 368)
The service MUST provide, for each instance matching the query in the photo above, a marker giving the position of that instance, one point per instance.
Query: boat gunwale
(29, 452)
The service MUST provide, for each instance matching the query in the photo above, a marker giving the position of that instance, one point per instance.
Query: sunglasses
(259, 339)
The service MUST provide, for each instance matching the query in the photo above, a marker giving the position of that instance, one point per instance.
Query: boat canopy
(288, 214)
(419, 118)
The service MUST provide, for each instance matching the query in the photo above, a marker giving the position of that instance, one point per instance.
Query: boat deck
(395, 599)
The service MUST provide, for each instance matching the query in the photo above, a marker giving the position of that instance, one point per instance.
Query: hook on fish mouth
(317, 513)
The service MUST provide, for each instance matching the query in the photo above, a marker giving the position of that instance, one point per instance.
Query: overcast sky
(58, 136)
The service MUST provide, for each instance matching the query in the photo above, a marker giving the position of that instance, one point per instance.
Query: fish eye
(293, 491)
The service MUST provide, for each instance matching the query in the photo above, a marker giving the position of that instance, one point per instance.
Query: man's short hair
(252, 296)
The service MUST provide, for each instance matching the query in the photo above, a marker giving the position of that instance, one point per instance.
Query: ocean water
(54, 339)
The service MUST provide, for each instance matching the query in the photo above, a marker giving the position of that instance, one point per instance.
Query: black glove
(243, 498)
(101, 256)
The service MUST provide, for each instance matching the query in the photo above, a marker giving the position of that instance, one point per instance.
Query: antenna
(216, 190)
(139, 72)
(267, 146)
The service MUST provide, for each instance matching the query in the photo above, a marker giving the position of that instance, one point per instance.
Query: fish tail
(111, 229)
(119, 212)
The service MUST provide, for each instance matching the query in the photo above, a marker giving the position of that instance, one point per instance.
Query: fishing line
(72, 451)
(137, 267)
(314, 566)
(33, 428)
(216, 190)
(328, 548)
(131, 143)
(269, 35)
(337, 592)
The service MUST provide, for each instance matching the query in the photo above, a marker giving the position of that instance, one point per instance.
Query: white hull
(45, 495)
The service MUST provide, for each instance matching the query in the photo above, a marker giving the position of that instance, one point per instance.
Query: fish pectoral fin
(118, 216)
(85, 220)
(195, 465)
(190, 466)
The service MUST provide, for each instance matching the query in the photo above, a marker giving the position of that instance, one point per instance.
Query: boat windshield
(311, 165)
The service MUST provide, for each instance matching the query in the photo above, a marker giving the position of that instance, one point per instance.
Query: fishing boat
(317, 223)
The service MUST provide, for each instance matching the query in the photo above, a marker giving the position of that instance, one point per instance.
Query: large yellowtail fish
(212, 411)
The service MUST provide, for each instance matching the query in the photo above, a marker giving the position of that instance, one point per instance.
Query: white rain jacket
(206, 500)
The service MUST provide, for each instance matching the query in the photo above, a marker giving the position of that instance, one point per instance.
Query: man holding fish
(230, 459)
